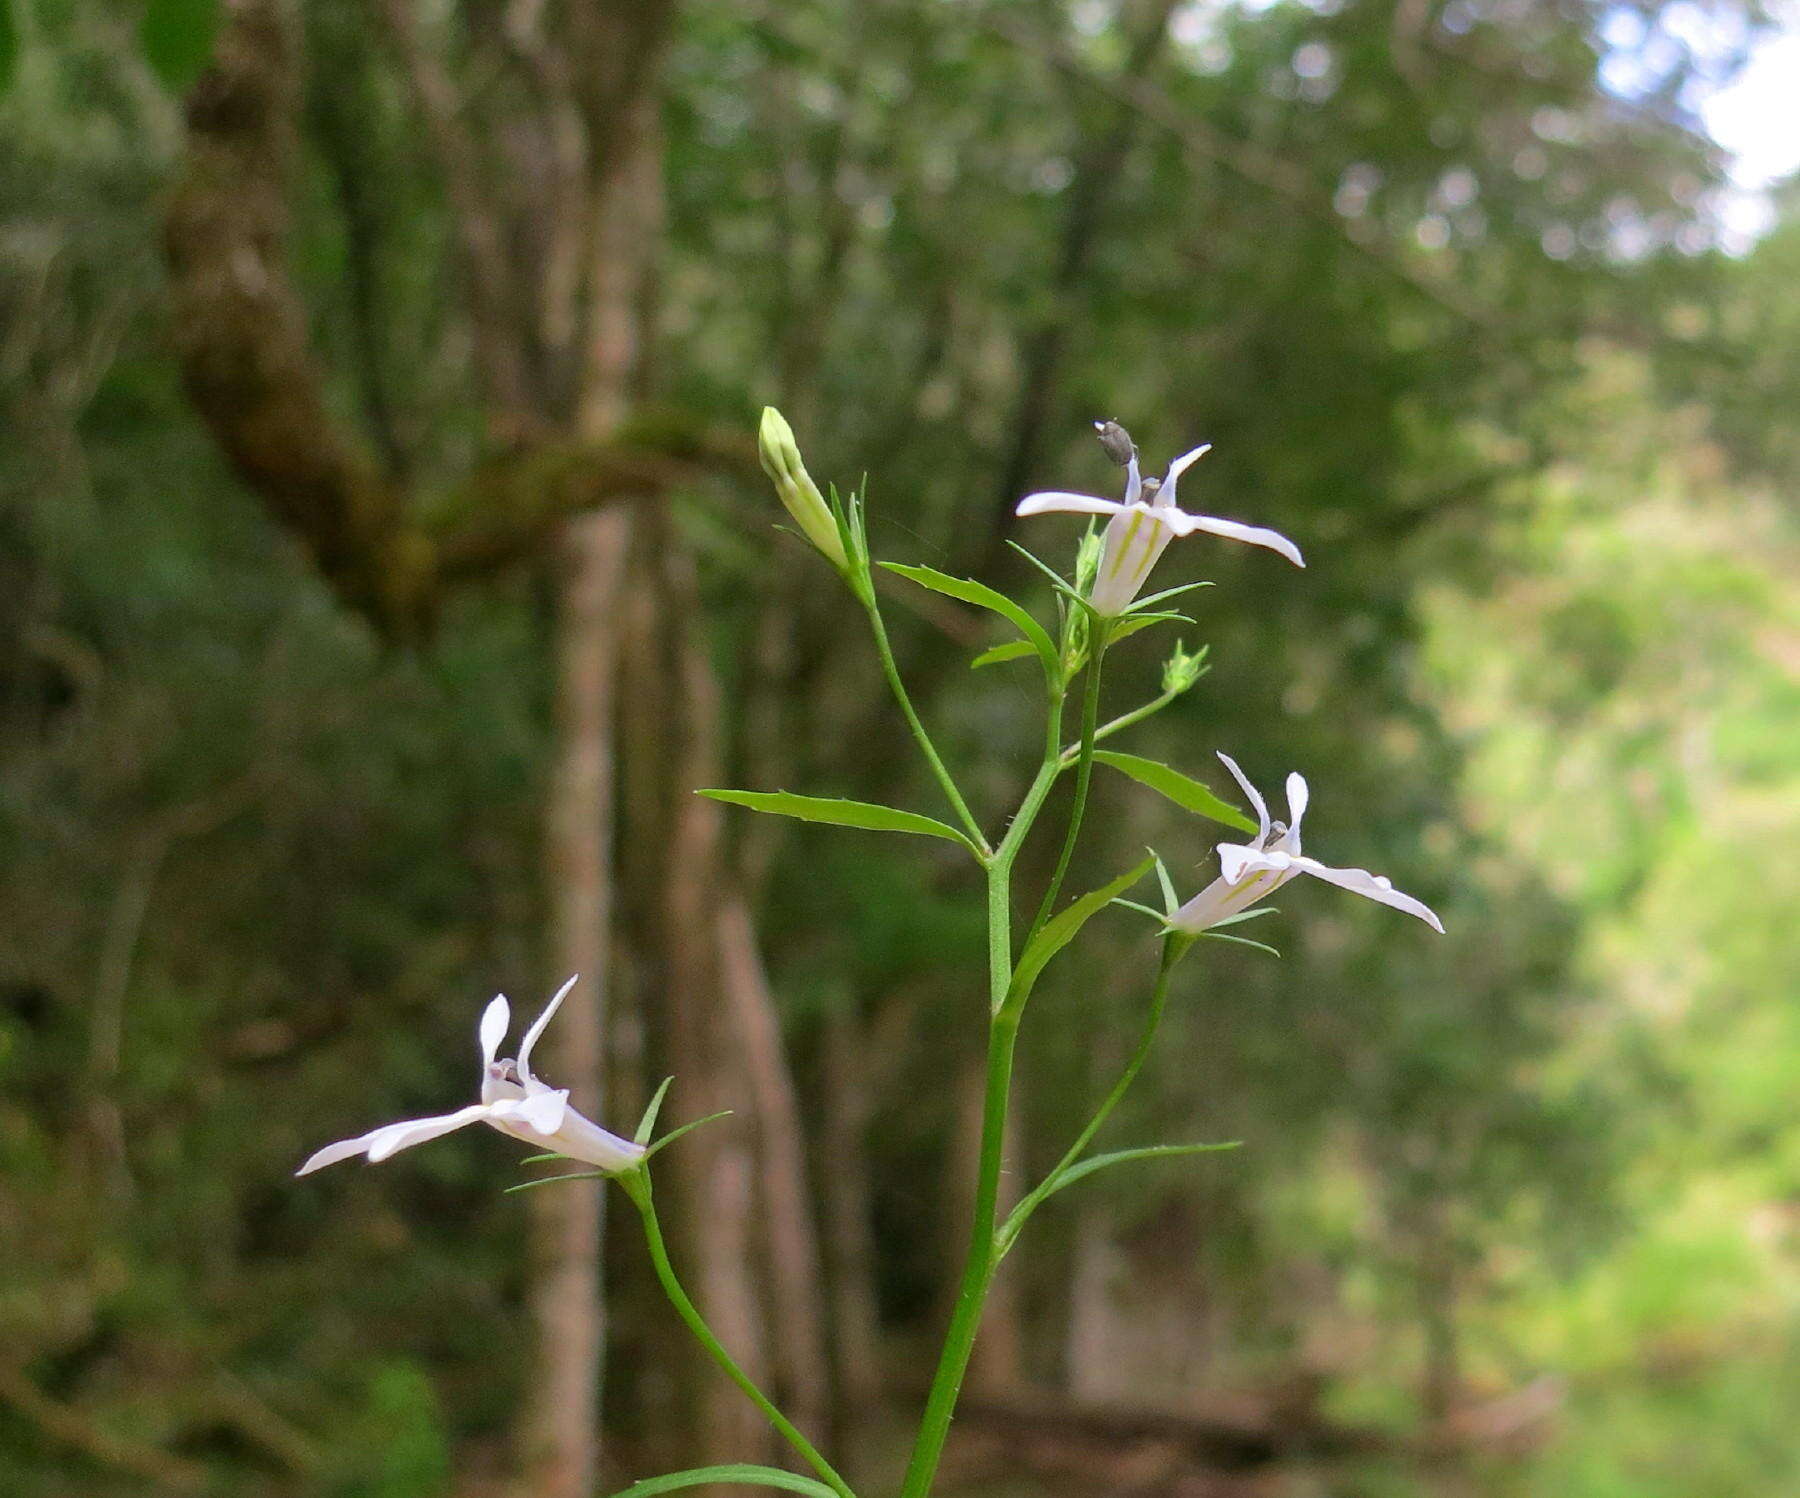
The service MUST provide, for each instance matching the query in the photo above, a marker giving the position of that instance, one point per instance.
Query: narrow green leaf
(1183, 790)
(648, 1122)
(1142, 909)
(985, 597)
(1060, 930)
(177, 38)
(1012, 650)
(696, 1477)
(840, 813)
(1144, 1152)
(543, 1159)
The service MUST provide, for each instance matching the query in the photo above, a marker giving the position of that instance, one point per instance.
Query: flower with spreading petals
(1252, 870)
(512, 1100)
(1144, 522)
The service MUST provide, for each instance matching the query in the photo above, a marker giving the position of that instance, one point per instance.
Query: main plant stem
(638, 1189)
(1003, 1033)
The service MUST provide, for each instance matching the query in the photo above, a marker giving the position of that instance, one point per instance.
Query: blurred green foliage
(256, 873)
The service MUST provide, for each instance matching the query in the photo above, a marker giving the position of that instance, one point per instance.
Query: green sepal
(647, 1124)
(1127, 625)
(1171, 901)
(982, 596)
(744, 1472)
(1183, 790)
(1139, 605)
(579, 1175)
(1244, 915)
(837, 812)
(1242, 941)
(1061, 929)
(686, 1128)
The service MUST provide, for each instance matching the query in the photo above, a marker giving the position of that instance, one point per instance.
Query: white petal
(1256, 800)
(495, 1020)
(1298, 796)
(1237, 861)
(378, 1144)
(1134, 480)
(580, 1138)
(403, 1136)
(1184, 523)
(542, 1112)
(1073, 504)
(537, 1026)
(1166, 494)
(1373, 886)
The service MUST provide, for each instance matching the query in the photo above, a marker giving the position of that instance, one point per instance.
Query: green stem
(1175, 946)
(637, 1187)
(978, 1269)
(926, 747)
(1003, 1034)
(1084, 773)
(1119, 724)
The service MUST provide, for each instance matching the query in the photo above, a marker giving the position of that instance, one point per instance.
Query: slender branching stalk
(636, 1185)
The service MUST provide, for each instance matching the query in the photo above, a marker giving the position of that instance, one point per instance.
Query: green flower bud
(799, 494)
(1182, 670)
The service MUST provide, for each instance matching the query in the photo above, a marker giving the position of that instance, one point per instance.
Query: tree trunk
(791, 1244)
(562, 1416)
(848, 1219)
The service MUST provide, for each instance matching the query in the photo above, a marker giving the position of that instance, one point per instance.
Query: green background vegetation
(1450, 315)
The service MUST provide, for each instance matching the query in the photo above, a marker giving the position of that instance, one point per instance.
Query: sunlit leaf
(1183, 790)
(838, 812)
(985, 597)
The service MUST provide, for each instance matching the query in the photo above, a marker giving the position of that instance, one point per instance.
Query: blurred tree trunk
(848, 1227)
(561, 1425)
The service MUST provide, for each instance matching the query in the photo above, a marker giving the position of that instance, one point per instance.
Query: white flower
(1142, 526)
(1253, 870)
(512, 1101)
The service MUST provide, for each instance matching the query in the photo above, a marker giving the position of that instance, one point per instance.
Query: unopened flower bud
(1182, 670)
(1115, 442)
(1087, 560)
(800, 496)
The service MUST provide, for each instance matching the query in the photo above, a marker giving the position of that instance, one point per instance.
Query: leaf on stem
(1183, 790)
(1143, 1152)
(745, 1472)
(1060, 930)
(1012, 650)
(841, 813)
(985, 597)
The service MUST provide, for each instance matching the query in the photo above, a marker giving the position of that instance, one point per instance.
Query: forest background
(383, 561)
